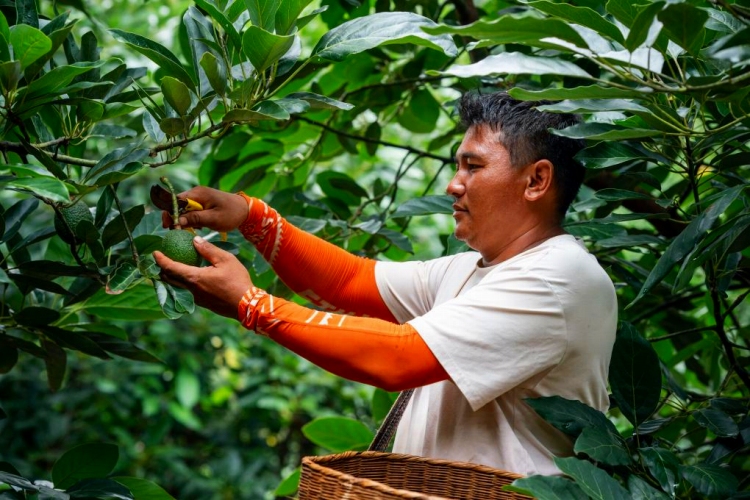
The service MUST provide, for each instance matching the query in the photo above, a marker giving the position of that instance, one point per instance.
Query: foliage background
(665, 208)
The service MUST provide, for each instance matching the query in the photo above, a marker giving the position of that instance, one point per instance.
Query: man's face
(489, 192)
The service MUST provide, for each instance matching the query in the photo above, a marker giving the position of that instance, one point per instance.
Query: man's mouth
(458, 208)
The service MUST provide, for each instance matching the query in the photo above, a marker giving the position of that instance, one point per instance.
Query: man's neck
(519, 243)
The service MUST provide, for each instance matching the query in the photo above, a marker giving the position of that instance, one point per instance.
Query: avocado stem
(175, 207)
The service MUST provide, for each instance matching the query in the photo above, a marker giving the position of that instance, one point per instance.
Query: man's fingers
(172, 271)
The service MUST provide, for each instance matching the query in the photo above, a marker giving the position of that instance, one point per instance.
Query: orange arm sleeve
(368, 350)
(317, 270)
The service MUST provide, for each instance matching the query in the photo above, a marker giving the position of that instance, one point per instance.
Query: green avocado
(72, 215)
(178, 245)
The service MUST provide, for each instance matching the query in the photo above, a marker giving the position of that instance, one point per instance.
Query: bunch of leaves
(81, 472)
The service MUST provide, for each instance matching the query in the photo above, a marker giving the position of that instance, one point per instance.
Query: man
(528, 314)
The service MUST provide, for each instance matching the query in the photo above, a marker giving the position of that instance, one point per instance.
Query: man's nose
(455, 187)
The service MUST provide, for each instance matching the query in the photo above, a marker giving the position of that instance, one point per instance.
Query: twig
(133, 249)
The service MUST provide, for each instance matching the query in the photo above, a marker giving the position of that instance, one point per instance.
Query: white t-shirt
(539, 324)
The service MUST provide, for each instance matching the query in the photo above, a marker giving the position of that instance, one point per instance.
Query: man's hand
(221, 211)
(218, 287)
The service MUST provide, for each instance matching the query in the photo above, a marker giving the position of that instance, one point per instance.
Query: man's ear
(539, 180)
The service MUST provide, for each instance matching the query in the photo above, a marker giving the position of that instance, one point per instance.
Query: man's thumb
(208, 251)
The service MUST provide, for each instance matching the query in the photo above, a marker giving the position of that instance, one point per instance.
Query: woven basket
(373, 475)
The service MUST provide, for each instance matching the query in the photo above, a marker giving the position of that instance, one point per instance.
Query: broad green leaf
(57, 37)
(604, 132)
(115, 231)
(293, 106)
(608, 154)
(396, 238)
(172, 126)
(663, 465)
(15, 216)
(99, 488)
(29, 44)
(53, 82)
(426, 205)
(16, 480)
(26, 13)
(136, 304)
(46, 187)
(515, 63)
(711, 481)
(215, 72)
(614, 194)
(119, 160)
(10, 75)
(641, 490)
(569, 416)
(143, 489)
(624, 11)
(287, 14)
(338, 434)
(717, 422)
(120, 280)
(187, 388)
(93, 460)
(266, 110)
(224, 22)
(264, 48)
(4, 29)
(686, 241)
(597, 484)
(55, 360)
(683, 24)
(176, 94)
(263, 13)
(341, 187)
(593, 105)
(36, 316)
(547, 488)
(642, 25)
(603, 446)
(364, 33)
(8, 356)
(74, 340)
(629, 240)
(120, 347)
(514, 29)
(289, 485)
(634, 375)
(381, 403)
(583, 16)
(318, 101)
(582, 92)
(165, 59)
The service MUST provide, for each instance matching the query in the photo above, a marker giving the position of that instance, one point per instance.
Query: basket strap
(388, 428)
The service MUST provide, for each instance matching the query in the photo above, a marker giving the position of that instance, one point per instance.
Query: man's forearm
(317, 270)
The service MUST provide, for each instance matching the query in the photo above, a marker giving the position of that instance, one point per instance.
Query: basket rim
(318, 464)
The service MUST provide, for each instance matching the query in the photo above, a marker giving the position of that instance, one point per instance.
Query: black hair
(524, 132)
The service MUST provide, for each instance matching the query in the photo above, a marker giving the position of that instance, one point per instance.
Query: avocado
(72, 215)
(178, 245)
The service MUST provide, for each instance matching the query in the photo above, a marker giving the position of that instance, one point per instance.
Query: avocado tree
(348, 132)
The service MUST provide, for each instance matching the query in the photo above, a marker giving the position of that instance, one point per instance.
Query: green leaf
(710, 480)
(717, 422)
(172, 126)
(4, 30)
(120, 162)
(57, 37)
(174, 302)
(215, 72)
(26, 13)
(123, 277)
(614, 194)
(289, 485)
(634, 375)
(547, 488)
(383, 28)
(165, 59)
(603, 446)
(341, 187)
(583, 16)
(593, 106)
(264, 48)
(120, 347)
(176, 94)
(99, 488)
(15, 216)
(252, 115)
(604, 132)
(515, 63)
(318, 101)
(608, 154)
(425, 205)
(10, 75)
(396, 238)
(663, 465)
(595, 482)
(642, 25)
(36, 316)
(263, 13)
(115, 231)
(16, 480)
(683, 24)
(582, 92)
(136, 304)
(514, 29)
(55, 359)
(569, 416)
(224, 22)
(46, 187)
(143, 489)
(686, 241)
(54, 82)
(29, 44)
(86, 461)
(8, 357)
(287, 14)
(641, 490)
(624, 11)
(381, 403)
(74, 340)
(338, 434)
(187, 388)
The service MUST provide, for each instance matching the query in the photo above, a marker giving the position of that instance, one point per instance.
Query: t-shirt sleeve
(504, 333)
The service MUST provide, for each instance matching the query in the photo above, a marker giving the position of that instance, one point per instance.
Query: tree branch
(356, 137)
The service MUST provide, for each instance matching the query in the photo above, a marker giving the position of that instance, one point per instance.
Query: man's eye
(472, 166)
